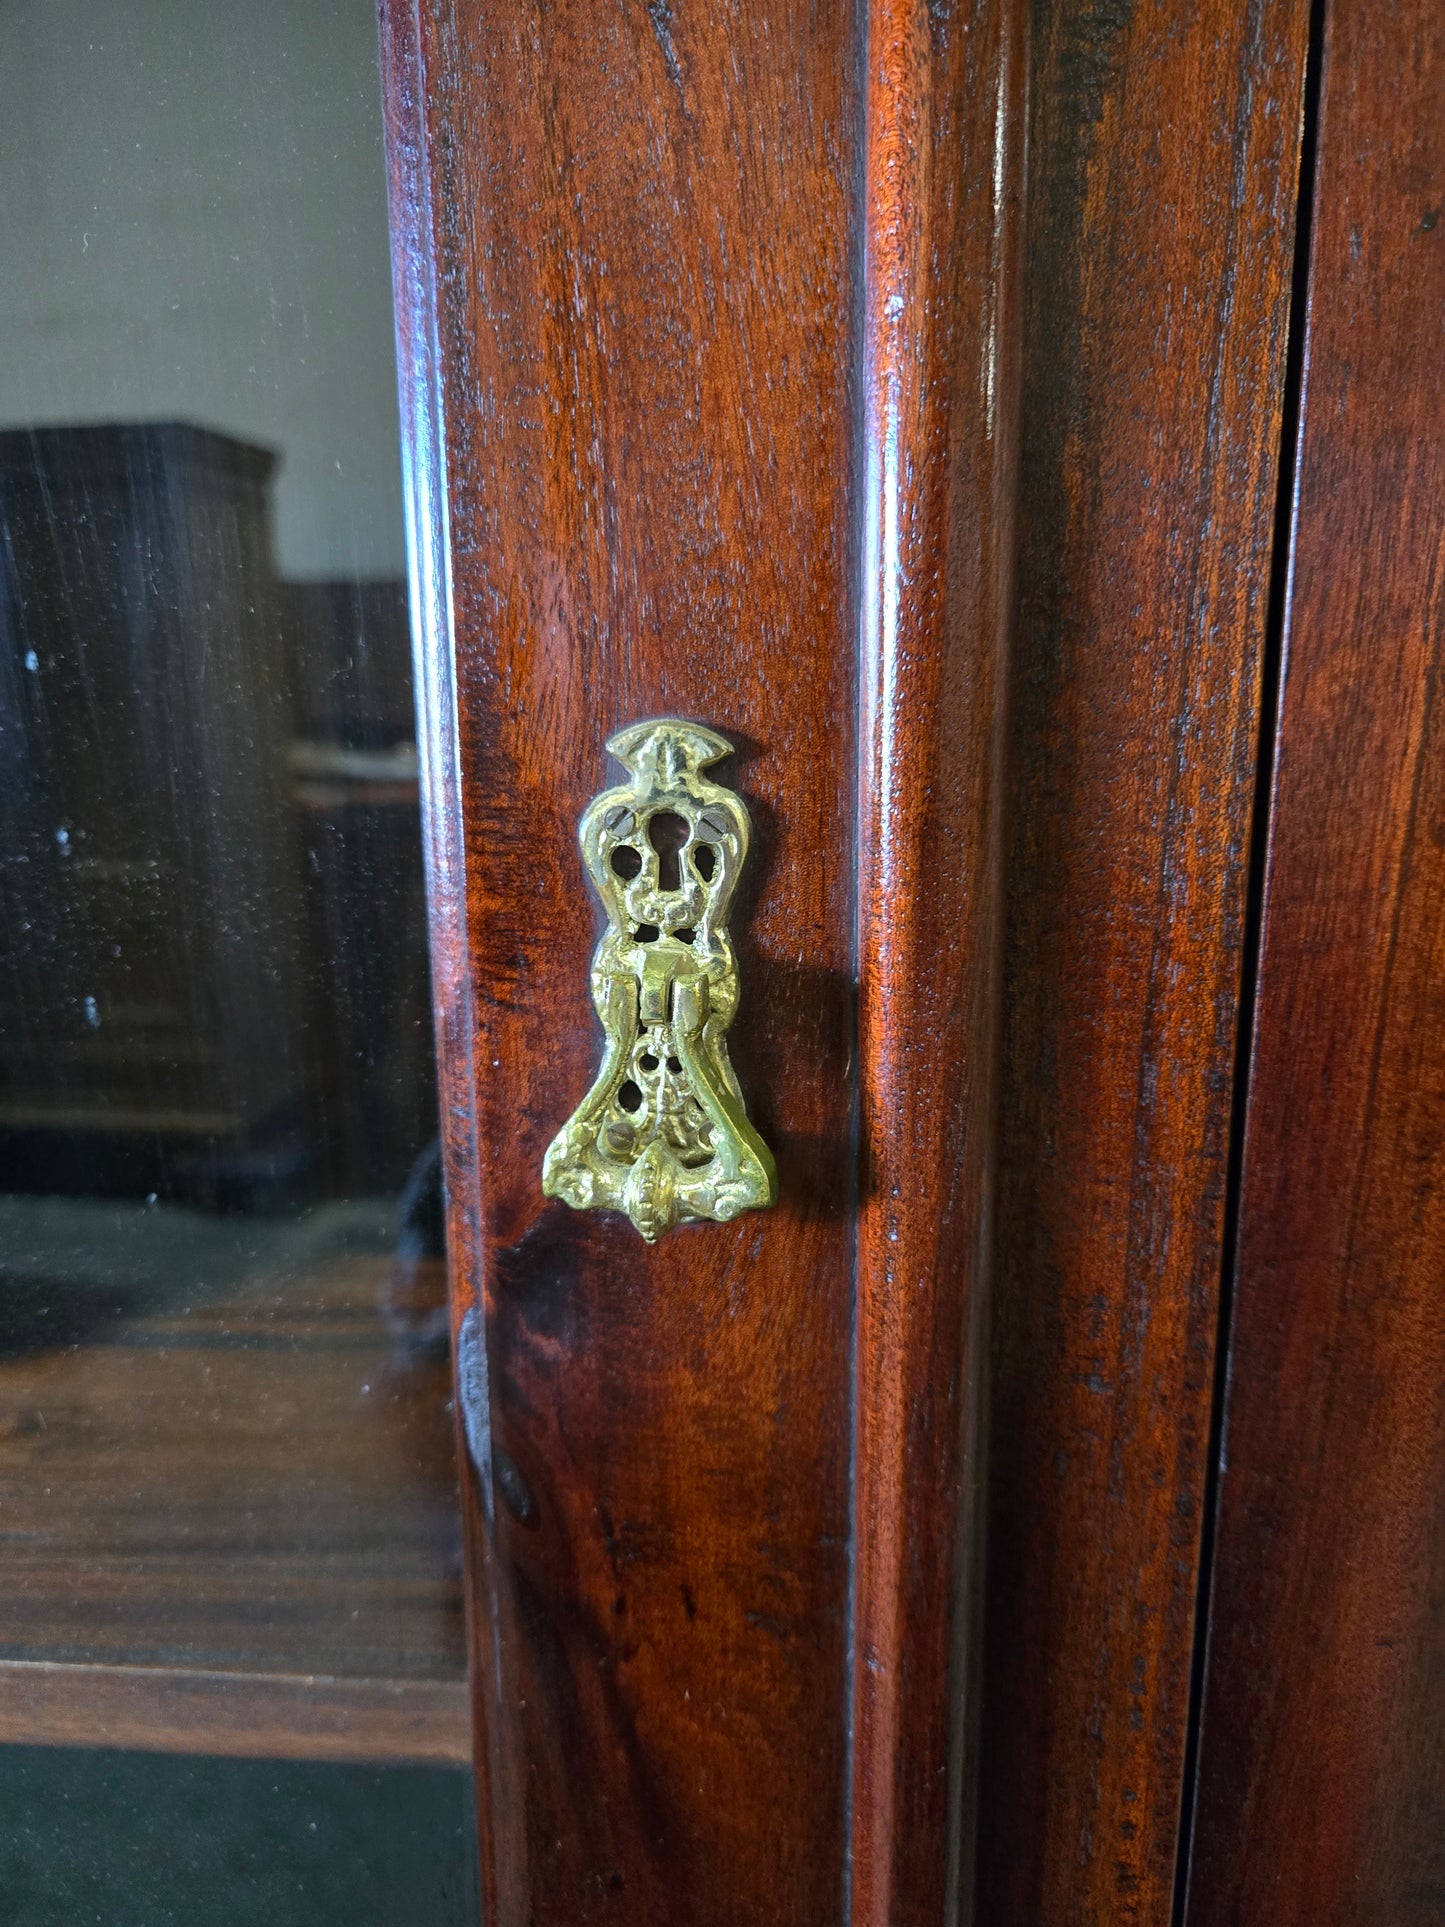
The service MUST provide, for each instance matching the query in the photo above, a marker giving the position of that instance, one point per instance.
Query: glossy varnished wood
(1162, 181)
(1322, 1781)
(713, 312)
(642, 232)
(409, 203)
(942, 232)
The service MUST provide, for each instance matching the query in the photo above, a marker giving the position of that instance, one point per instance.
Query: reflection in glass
(228, 1516)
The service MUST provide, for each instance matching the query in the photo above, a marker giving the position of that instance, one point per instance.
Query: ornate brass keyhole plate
(663, 1134)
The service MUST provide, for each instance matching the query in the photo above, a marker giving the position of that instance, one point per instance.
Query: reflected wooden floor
(231, 1527)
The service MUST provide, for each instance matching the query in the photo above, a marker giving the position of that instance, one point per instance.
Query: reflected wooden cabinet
(151, 883)
(213, 1079)
(211, 795)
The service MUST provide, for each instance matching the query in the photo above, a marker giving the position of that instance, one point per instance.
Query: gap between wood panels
(1271, 678)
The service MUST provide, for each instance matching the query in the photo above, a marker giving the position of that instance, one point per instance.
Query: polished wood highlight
(1164, 153)
(1321, 1774)
(414, 295)
(943, 102)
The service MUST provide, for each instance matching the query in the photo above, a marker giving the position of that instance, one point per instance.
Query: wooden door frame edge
(943, 191)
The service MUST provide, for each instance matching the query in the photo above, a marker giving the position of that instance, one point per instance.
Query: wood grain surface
(642, 231)
(1321, 1776)
(713, 321)
(1164, 154)
(942, 246)
(434, 677)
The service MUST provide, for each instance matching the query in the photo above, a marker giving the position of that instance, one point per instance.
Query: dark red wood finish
(942, 234)
(409, 196)
(706, 316)
(1164, 154)
(641, 237)
(1322, 1775)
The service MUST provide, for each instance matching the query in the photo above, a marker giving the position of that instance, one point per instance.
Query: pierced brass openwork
(663, 1134)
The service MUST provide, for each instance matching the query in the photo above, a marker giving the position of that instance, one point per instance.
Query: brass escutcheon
(663, 1134)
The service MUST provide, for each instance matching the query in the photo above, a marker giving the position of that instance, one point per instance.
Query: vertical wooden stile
(943, 166)
(1164, 144)
(1321, 1779)
(708, 328)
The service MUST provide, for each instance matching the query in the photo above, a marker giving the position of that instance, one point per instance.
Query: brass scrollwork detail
(663, 1134)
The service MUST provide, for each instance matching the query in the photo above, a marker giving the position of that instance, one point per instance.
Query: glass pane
(228, 1505)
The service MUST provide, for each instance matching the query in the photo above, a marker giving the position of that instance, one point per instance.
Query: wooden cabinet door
(899, 390)
(701, 318)
(1321, 1787)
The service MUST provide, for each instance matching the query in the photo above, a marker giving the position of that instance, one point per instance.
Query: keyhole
(667, 832)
